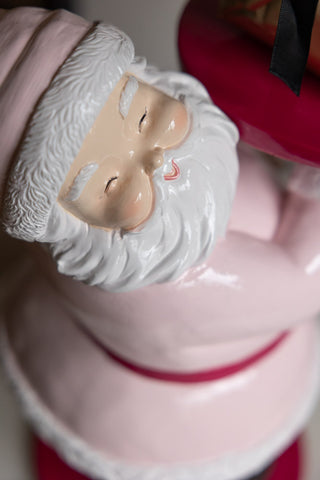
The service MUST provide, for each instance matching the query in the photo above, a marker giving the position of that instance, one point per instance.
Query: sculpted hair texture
(80, 181)
(190, 212)
(59, 126)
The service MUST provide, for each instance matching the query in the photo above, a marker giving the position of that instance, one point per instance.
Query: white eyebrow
(80, 181)
(127, 96)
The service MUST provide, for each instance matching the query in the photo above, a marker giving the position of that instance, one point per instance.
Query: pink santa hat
(55, 67)
(33, 45)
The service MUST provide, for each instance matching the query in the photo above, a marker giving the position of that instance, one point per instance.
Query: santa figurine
(165, 326)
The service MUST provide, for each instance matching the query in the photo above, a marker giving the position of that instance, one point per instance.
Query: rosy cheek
(130, 212)
(181, 118)
(137, 211)
(179, 126)
(133, 208)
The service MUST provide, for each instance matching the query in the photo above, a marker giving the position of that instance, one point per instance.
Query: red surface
(197, 377)
(288, 465)
(50, 467)
(234, 68)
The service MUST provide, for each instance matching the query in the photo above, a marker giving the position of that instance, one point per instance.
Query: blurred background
(152, 25)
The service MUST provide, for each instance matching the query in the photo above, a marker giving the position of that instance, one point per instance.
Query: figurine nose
(174, 125)
(153, 160)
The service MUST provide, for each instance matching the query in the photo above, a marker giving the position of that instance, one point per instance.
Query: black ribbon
(292, 42)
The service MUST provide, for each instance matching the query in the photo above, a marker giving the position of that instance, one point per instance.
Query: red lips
(175, 172)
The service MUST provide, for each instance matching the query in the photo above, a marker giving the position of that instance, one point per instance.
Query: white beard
(190, 213)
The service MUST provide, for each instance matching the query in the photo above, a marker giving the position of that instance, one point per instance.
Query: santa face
(186, 173)
(109, 185)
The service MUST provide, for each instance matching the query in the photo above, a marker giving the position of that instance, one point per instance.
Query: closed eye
(112, 179)
(142, 119)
